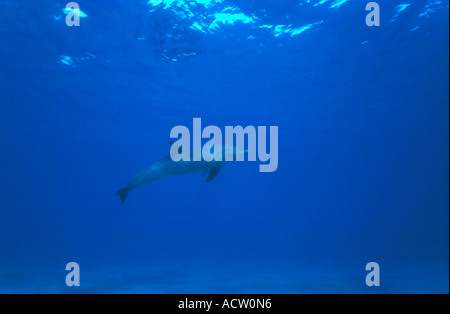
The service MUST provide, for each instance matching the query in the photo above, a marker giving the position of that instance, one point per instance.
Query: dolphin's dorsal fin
(213, 173)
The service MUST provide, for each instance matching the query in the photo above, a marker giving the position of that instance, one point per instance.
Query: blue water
(363, 117)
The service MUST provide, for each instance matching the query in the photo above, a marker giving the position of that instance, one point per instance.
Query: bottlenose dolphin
(166, 167)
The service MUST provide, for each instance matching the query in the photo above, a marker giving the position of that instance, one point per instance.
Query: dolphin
(166, 167)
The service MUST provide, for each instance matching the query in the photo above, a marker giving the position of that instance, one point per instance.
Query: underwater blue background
(363, 116)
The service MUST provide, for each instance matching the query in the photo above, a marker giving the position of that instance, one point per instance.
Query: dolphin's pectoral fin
(213, 173)
(123, 194)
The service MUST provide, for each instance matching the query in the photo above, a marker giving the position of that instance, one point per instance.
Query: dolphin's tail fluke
(123, 194)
